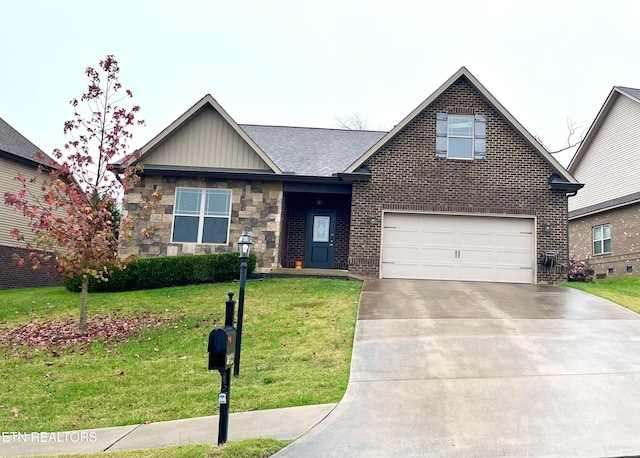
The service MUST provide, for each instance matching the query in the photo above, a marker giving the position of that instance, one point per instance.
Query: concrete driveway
(476, 369)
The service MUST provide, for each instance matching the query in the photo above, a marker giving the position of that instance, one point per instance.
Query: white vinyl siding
(206, 140)
(609, 167)
(9, 218)
(452, 247)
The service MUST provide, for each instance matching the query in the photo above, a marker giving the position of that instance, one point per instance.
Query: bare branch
(352, 122)
(572, 142)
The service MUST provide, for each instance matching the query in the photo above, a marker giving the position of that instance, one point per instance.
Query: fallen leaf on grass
(64, 333)
(183, 357)
(15, 411)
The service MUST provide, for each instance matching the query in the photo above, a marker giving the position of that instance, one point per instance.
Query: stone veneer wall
(624, 258)
(255, 204)
(406, 175)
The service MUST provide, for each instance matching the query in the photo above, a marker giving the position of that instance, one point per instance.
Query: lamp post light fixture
(244, 243)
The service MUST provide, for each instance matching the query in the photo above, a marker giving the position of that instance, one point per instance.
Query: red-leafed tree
(72, 204)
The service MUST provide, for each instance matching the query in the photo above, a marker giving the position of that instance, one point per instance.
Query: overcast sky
(303, 63)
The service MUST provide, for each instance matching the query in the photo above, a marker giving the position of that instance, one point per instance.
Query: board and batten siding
(206, 140)
(609, 168)
(9, 218)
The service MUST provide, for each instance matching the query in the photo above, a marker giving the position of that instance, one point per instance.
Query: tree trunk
(83, 307)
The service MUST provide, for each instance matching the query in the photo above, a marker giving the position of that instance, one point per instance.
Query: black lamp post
(244, 243)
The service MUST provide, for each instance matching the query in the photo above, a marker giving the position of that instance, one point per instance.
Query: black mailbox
(222, 348)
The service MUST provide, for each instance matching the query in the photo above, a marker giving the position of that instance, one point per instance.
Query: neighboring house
(17, 156)
(604, 219)
(458, 190)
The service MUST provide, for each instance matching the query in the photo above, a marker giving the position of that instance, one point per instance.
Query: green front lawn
(621, 290)
(249, 448)
(296, 350)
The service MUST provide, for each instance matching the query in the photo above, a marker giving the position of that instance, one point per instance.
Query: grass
(621, 290)
(296, 350)
(250, 448)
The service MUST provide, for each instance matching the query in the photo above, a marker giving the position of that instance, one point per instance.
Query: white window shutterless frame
(201, 215)
(602, 239)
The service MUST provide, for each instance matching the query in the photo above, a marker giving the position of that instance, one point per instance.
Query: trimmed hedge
(167, 271)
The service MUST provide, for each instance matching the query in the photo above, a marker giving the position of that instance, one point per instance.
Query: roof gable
(617, 91)
(200, 117)
(464, 73)
(606, 160)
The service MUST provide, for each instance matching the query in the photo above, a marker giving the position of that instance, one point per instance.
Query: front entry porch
(315, 227)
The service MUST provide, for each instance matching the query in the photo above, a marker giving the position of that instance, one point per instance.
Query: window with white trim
(460, 136)
(602, 239)
(201, 215)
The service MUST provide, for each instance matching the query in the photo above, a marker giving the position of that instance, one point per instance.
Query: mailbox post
(222, 349)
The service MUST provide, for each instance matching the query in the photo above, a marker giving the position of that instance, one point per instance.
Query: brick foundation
(14, 276)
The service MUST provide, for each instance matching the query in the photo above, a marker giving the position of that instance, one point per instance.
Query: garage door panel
(447, 247)
(400, 253)
(402, 236)
(477, 255)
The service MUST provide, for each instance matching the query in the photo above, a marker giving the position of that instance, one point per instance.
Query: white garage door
(466, 248)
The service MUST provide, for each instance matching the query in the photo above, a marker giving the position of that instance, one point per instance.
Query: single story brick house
(457, 190)
(604, 219)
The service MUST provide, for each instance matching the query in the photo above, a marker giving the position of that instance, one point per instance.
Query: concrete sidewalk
(285, 424)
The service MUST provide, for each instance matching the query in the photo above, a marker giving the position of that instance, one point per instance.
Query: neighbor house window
(602, 239)
(201, 215)
(460, 136)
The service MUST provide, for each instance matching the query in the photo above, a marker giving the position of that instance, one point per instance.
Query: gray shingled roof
(631, 91)
(14, 143)
(312, 151)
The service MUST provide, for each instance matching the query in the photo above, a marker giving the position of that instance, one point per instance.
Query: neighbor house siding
(254, 203)
(207, 140)
(11, 275)
(609, 165)
(406, 176)
(625, 240)
(9, 218)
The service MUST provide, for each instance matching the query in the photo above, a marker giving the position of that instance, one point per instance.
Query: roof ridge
(314, 128)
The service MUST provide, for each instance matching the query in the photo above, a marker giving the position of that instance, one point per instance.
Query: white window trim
(201, 214)
(601, 240)
(469, 137)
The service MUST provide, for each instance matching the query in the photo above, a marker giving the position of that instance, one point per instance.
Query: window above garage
(461, 136)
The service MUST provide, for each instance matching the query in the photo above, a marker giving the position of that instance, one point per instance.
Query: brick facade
(406, 175)
(13, 276)
(254, 203)
(625, 241)
(295, 227)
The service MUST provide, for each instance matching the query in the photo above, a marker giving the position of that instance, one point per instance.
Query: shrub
(578, 270)
(167, 271)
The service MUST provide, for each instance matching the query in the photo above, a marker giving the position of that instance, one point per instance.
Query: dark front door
(321, 231)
